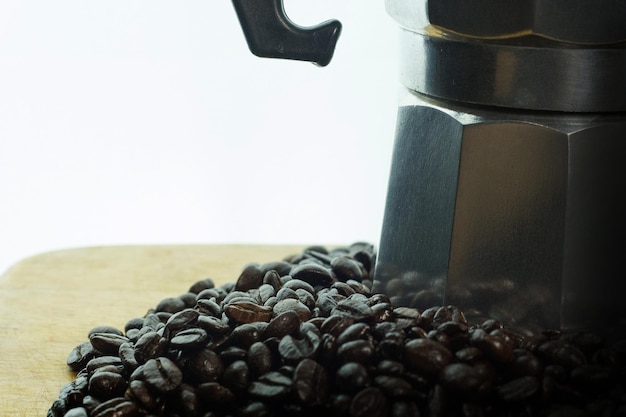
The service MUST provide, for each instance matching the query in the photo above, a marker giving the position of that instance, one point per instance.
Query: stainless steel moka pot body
(507, 187)
(507, 190)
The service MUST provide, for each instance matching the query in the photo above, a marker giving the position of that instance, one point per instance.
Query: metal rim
(523, 77)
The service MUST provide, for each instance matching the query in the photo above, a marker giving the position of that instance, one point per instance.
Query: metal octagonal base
(517, 215)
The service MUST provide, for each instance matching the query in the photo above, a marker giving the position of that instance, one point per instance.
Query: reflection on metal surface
(520, 220)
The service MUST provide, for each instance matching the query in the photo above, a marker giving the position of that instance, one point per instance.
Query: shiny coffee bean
(247, 312)
(251, 277)
(162, 375)
(369, 402)
(428, 356)
(310, 383)
(189, 339)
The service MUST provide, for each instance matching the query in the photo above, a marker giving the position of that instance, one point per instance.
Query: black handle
(270, 34)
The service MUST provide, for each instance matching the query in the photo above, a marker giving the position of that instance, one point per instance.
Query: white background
(150, 122)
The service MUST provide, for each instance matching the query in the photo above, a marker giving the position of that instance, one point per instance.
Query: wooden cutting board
(49, 302)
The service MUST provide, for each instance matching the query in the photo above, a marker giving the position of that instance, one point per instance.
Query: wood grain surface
(49, 302)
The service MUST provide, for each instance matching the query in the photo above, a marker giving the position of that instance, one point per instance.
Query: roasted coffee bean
(162, 375)
(468, 354)
(214, 393)
(103, 361)
(259, 359)
(170, 305)
(290, 304)
(298, 284)
(312, 274)
(247, 312)
(245, 335)
(562, 353)
(80, 355)
(460, 378)
(236, 376)
(271, 386)
(181, 320)
(353, 308)
(266, 291)
(283, 324)
(393, 386)
(251, 277)
(272, 277)
(107, 343)
(210, 294)
(77, 412)
(404, 409)
(428, 356)
(369, 402)
(150, 345)
(189, 339)
(116, 407)
(351, 377)
(204, 366)
(354, 332)
(310, 383)
(346, 268)
(282, 268)
(518, 389)
(213, 325)
(105, 329)
(254, 409)
(305, 345)
(496, 347)
(138, 391)
(203, 284)
(208, 307)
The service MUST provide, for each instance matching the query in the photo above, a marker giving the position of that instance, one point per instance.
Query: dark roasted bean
(356, 351)
(181, 320)
(354, 332)
(116, 407)
(290, 304)
(138, 391)
(283, 324)
(251, 277)
(518, 389)
(428, 356)
(189, 339)
(562, 353)
(310, 383)
(346, 268)
(369, 402)
(77, 412)
(204, 284)
(259, 359)
(306, 345)
(213, 325)
(460, 378)
(170, 305)
(208, 307)
(247, 312)
(353, 308)
(272, 386)
(102, 361)
(162, 375)
(215, 393)
(272, 277)
(236, 376)
(312, 274)
(205, 366)
(107, 343)
(80, 355)
(150, 345)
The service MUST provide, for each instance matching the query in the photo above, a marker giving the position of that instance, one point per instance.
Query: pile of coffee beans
(306, 337)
